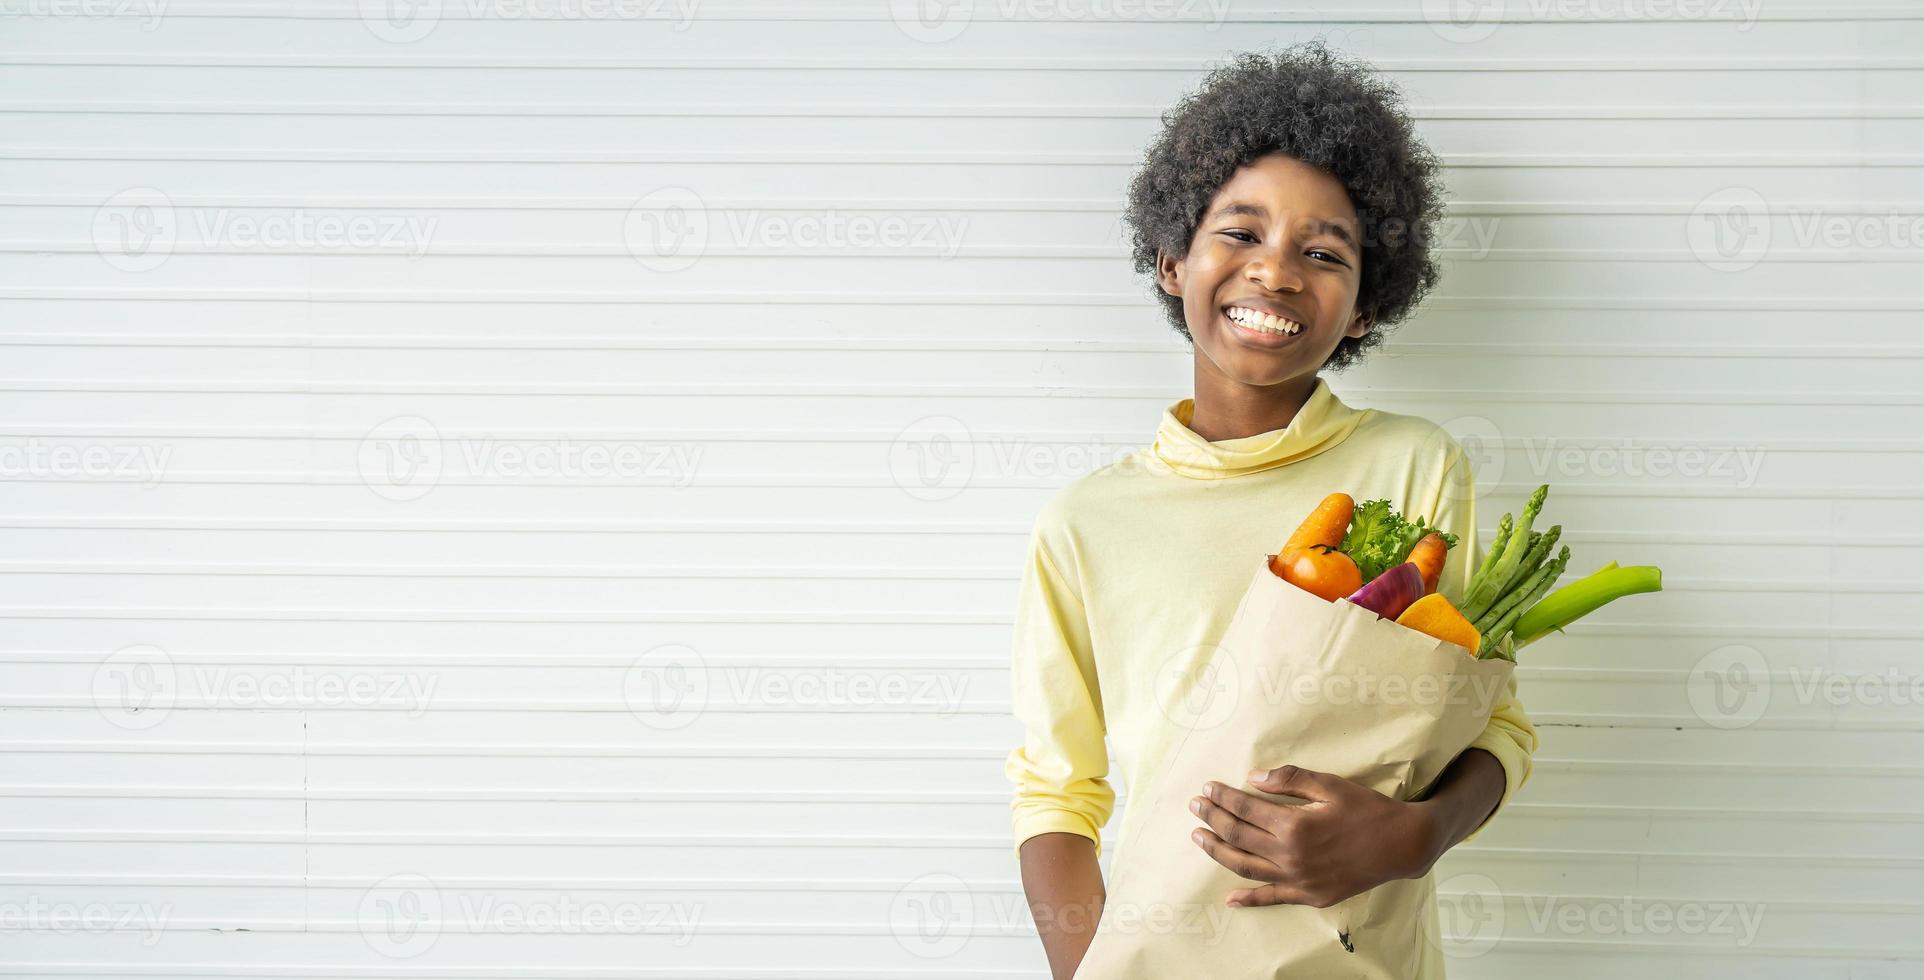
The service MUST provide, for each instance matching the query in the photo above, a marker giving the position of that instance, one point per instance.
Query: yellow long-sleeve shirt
(1137, 567)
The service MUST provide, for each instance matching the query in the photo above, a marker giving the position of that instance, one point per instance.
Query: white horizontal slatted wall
(471, 379)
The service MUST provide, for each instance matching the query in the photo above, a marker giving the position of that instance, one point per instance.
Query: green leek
(1585, 596)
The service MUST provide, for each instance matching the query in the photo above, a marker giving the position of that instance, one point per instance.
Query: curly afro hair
(1327, 111)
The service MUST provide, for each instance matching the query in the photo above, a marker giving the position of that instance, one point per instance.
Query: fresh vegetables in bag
(1372, 556)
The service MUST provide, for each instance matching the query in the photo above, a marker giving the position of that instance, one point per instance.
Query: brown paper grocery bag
(1295, 681)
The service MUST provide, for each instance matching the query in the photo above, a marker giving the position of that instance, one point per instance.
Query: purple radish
(1388, 594)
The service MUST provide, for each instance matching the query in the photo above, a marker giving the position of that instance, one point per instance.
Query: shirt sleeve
(1509, 736)
(1060, 771)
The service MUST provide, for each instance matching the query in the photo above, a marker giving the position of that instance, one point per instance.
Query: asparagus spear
(1541, 543)
(1513, 552)
(1489, 557)
(1509, 600)
(1533, 589)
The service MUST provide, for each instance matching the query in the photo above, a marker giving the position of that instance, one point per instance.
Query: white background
(401, 663)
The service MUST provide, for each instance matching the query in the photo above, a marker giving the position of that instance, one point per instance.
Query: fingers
(1267, 814)
(1276, 894)
(1233, 828)
(1306, 784)
(1235, 859)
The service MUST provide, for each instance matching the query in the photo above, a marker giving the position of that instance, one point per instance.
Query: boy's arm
(1509, 739)
(1062, 794)
(1063, 883)
(1464, 797)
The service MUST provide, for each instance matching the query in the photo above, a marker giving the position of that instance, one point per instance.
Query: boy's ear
(1358, 326)
(1168, 273)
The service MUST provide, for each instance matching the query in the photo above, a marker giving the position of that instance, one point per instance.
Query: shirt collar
(1322, 423)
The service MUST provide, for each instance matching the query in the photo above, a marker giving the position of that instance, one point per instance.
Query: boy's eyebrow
(1324, 225)
(1339, 230)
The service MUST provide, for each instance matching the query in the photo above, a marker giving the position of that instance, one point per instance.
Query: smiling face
(1270, 283)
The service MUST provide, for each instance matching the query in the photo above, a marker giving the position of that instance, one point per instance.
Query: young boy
(1283, 214)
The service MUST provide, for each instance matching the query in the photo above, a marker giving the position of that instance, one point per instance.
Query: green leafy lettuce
(1379, 539)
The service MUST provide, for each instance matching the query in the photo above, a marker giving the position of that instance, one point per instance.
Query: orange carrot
(1429, 553)
(1325, 525)
(1433, 615)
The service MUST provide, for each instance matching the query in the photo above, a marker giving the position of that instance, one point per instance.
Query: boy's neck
(1227, 409)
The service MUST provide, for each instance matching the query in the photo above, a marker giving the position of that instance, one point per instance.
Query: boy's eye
(1243, 236)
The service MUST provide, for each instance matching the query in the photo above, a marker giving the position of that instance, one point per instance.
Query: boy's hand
(1346, 840)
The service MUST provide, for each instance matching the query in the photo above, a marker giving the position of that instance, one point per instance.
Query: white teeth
(1265, 322)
